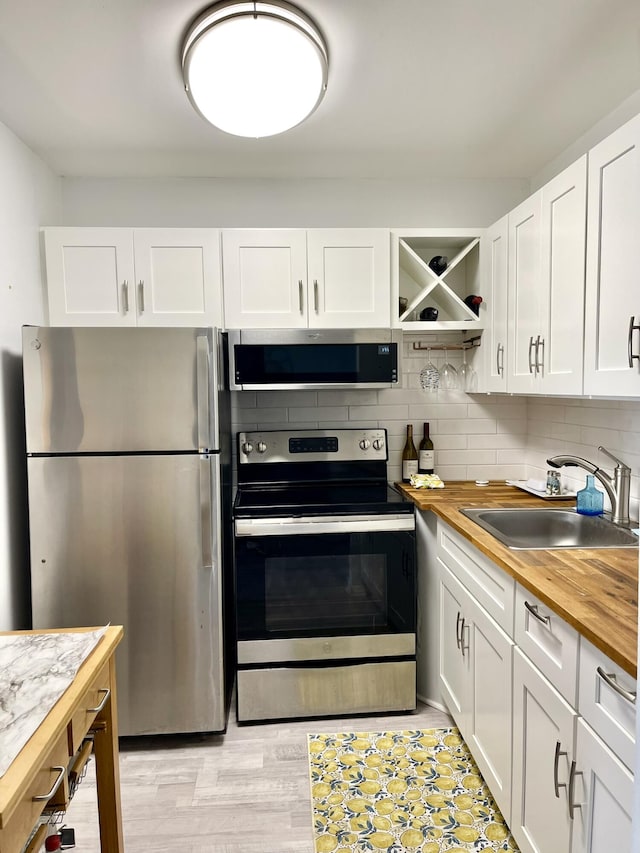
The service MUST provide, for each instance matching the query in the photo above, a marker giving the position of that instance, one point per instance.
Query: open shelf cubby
(416, 286)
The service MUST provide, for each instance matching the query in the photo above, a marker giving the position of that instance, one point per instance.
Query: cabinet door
(541, 720)
(613, 259)
(524, 293)
(90, 276)
(265, 279)
(454, 663)
(178, 276)
(603, 788)
(564, 201)
(349, 278)
(494, 265)
(489, 714)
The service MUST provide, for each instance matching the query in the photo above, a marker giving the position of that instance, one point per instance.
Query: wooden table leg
(108, 772)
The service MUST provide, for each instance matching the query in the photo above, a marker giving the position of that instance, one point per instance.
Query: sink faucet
(617, 487)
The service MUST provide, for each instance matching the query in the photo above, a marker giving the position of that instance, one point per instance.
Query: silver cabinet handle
(44, 797)
(572, 784)
(315, 296)
(141, 296)
(125, 296)
(633, 326)
(103, 702)
(533, 610)
(539, 365)
(300, 295)
(464, 627)
(531, 345)
(610, 679)
(459, 620)
(556, 761)
(500, 359)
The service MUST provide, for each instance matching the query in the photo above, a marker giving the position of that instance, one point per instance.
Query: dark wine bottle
(409, 456)
(425, 453)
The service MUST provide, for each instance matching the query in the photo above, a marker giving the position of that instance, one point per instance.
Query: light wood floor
(243, 792)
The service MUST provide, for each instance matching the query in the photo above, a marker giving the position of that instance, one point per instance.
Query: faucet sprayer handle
(614, 458)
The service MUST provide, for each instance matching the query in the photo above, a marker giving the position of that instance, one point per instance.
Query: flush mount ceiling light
(254, 69)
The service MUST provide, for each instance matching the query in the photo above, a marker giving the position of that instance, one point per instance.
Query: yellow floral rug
(401, 791)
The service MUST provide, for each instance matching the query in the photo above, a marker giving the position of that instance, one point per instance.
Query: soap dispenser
(589, 501)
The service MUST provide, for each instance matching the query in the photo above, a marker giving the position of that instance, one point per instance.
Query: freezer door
(117, 390)
(135, 541)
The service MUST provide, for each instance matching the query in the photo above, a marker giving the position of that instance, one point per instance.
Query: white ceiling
(422, 88)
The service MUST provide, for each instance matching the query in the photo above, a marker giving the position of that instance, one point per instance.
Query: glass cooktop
(274, 501)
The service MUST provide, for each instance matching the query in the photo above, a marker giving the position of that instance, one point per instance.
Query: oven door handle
(323, 524)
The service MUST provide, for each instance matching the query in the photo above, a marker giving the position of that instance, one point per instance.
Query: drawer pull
(572, 783)
(44, 797)
(610, 679)
(105, 698)
(533, 610)
(556, 761)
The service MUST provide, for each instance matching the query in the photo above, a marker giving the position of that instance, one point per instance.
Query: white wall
(30, 197)
(234, 203)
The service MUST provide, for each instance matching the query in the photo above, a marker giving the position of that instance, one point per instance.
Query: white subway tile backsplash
(319, 413)
(379, 413)
(475, 436)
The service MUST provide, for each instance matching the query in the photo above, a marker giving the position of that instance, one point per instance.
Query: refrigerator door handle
(206, 522)
(202, 391)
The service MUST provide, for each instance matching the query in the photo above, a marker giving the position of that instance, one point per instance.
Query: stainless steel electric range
(325, 577)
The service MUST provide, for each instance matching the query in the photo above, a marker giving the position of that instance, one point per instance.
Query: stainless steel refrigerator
(128, 461)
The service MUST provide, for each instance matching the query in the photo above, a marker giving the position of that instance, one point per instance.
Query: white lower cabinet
(549, 719)
(543, 733)
(475, 677)
(602, 789)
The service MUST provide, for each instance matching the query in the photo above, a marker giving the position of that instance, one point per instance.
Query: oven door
(325, 588)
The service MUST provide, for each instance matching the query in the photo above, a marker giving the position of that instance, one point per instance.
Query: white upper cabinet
(612, 311)
(322, 278)
(133, 277)
(546, 286)
(494, 338)
(524, 292)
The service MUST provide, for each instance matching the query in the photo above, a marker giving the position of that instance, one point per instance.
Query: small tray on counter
(522, 484)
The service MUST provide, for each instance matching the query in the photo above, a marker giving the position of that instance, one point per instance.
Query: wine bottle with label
(425, 453)
(409, 456)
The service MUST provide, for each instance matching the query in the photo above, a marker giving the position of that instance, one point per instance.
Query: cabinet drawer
(26, 814)
(608, 711)
(488, 584)
(548, 641)
(86, 713)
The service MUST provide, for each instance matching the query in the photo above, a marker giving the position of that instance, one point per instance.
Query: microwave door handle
(203, 371)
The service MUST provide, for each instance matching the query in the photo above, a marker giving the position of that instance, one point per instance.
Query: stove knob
(261, 447)
(247, 447)
(378, 443)
(365, 444)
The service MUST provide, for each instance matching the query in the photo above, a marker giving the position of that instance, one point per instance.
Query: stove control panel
(317, 445)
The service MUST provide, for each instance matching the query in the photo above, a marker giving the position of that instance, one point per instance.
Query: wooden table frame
(31, 769)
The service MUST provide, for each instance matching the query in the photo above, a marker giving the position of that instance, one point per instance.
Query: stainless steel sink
(536, 529)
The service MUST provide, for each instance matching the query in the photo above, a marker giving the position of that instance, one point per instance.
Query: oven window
(307, 594)
(331, 584)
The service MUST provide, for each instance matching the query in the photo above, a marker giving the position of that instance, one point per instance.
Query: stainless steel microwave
(277, 359)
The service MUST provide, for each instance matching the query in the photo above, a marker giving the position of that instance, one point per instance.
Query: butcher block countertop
(596, 590)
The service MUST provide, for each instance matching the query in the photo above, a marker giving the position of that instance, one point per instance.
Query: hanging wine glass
(467, 375)
(429, 375)
(448, 375)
